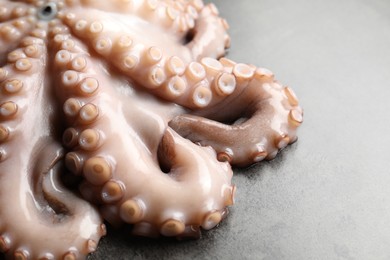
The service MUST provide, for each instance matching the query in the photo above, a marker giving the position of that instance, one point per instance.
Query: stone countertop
(326, 196)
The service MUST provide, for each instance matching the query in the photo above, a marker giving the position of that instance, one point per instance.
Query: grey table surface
(326, 196)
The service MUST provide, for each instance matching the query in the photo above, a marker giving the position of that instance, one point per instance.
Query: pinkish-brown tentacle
(122, 167)
(31, 195)
(271, 117)
(167, 70)
(210, 38)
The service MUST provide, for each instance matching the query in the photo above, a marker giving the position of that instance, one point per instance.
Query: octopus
(125, 112)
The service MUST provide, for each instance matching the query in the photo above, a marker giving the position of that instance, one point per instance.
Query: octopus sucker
(134, 103)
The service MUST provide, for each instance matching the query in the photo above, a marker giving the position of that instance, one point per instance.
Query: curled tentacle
(271, 117)
(30, 165)
(124, 169)
(163, 65)
(210, 38)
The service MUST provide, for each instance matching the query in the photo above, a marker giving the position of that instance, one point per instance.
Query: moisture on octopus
(133, 99)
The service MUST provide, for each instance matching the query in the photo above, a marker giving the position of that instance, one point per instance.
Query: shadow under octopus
(132, 99)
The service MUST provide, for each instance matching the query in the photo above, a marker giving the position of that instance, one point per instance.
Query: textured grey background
(327, 196)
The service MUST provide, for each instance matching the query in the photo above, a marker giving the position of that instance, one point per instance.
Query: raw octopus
(132, 101)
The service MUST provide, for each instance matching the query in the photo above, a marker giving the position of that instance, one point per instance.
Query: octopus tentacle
(103, 145)
(210, 38)
(170, 76)
(39, 202)
(272, 117)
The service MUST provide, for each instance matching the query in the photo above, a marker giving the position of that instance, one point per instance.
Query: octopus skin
(135, 103)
